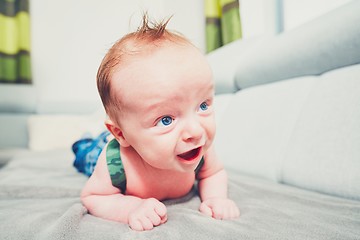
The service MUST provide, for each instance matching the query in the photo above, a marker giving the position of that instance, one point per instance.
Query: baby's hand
(220, 208)
(148, 214)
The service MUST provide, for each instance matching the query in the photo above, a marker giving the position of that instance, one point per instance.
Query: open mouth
(190, 155)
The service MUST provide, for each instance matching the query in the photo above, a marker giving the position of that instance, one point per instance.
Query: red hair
(150, 35)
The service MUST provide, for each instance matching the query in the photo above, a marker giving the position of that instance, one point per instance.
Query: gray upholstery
(328, 42)
(295, 112)
(14, 132)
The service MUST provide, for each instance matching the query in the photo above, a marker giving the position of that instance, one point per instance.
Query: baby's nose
(193, 131)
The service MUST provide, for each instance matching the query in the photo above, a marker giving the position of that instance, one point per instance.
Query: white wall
(258, 16)
(71, 37)
(298, 12)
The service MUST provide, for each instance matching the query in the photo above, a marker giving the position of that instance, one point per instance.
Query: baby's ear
(116, 132)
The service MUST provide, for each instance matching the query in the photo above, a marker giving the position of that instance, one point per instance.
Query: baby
(158, 93)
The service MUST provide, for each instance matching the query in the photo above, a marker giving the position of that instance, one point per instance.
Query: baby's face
(167, 100)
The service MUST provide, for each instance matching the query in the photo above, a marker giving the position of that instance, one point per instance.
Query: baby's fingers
(205, 209)
(155, 219)
(143, 223)
(136, 225)
(161, 210)
(220, 208)
(146, 223)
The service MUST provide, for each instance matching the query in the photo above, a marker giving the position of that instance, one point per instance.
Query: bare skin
(166, 126)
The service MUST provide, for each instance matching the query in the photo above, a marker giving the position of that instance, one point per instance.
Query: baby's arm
(106, 201)
(213, 189)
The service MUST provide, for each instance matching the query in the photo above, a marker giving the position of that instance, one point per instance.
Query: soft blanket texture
(39, 199)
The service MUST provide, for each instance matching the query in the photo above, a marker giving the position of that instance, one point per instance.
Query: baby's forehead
(165, 70)
(146, 57)
(133, 48)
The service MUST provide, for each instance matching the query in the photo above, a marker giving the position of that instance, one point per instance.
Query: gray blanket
(39, 199)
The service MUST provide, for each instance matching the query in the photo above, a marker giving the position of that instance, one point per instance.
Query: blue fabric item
(87, 151)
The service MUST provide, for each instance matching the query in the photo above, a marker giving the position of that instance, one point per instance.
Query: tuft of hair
(150, 35)
(153, 29)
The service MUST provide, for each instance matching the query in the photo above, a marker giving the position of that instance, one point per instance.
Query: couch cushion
(13, 132)
(225, 60)
(254, 128)
(328, 42)
(324, 150)
(59, 131)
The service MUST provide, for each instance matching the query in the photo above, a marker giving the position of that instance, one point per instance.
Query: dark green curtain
(15, 41)
(223, 23)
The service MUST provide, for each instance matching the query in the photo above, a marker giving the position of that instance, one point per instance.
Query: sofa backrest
(328, 42)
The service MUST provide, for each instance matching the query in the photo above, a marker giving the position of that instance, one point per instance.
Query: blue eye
(204, 106)
(165, 121)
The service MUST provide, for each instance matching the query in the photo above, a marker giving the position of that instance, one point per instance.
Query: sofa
(289, 112)
(290, 104)
(288, 131)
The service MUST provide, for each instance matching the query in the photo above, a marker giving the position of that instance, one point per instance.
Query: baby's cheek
(211, 129)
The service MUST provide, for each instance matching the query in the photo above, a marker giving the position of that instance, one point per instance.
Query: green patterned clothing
(115, 165)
